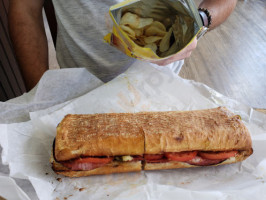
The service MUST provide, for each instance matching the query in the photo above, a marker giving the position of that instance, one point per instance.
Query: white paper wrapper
(27, 146)
(55, 86)
(10, 190)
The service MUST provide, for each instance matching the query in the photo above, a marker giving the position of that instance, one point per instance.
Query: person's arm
(219, 10)
(29, 40)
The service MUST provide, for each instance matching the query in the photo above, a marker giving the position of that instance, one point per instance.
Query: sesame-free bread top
(114, 134)
(215, 129)
(109, 134)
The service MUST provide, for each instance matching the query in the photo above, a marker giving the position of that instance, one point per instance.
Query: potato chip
(154, 31)
(130, 32)
(158, 25)
(128, 18)
(176, 45)
(173, 49)
(152, 46)
(152, 39)
(134, 21)
(148, 33)
(138, 32)
(165, 42)
(167, 22)
(144, 22)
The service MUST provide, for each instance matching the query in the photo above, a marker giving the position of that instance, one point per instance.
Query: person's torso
(82, 24)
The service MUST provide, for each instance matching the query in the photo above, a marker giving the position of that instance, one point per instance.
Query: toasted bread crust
(99, 135)
(204, 130)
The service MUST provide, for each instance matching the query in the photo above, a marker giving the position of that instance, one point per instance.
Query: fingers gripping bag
(154, 30)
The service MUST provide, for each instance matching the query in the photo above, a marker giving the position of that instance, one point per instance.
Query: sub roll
(125, 142)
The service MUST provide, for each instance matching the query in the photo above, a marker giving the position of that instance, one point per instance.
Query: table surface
(232, 58)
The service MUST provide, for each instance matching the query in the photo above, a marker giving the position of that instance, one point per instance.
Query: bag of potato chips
(154, 29)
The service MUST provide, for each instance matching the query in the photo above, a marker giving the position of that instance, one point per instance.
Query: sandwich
(126, 142)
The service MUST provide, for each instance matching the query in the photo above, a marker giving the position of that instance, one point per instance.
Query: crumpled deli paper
(10, 190)
(55, 87)
(27, 146)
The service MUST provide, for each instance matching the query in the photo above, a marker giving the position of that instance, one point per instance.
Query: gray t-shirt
(82, 24)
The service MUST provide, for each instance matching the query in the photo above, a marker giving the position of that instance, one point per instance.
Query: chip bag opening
(155, 29)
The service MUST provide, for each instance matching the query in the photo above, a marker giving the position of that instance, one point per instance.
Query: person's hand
(186, 52)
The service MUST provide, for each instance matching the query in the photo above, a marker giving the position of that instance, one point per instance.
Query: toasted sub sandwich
(125, 142)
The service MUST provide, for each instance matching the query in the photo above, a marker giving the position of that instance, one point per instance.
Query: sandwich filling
(198, 158)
